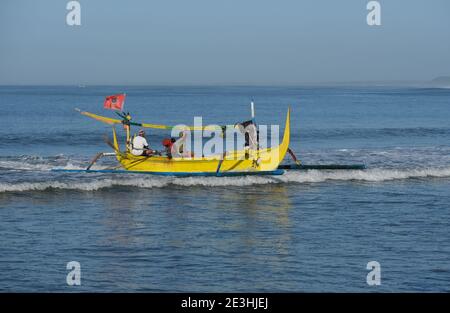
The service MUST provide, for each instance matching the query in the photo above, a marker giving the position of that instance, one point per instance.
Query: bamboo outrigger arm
(126, 120)
(98, 156)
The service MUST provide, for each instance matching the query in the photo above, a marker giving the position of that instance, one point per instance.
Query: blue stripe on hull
(177, 174)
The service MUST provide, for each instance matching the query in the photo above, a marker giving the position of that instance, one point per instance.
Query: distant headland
(441, 82)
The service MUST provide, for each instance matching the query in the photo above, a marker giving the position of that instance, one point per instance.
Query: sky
(222, 42)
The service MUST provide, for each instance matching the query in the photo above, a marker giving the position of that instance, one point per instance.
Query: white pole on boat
(252, 107)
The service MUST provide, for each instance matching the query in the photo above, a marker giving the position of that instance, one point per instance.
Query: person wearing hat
(179, 147)
(168, 145)
(140, 145)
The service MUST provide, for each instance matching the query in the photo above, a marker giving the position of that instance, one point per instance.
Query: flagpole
(123, 106)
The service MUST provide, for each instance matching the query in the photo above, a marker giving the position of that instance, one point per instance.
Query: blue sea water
(302, 231)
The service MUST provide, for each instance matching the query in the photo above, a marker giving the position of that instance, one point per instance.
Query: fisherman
(140, 145)
(248, 129)
(168, 144)
(179, 146)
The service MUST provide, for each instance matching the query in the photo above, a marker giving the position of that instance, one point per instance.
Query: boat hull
(176, 174)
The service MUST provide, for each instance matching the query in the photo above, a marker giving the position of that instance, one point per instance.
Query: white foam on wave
(147, 182)
(24, 166)
(43, 164)
(83, 186)
(311, 176)
(370, 175)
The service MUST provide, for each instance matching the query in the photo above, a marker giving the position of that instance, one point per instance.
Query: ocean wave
(370, 175)
(311, 176)
(23, 166)
(37, 163)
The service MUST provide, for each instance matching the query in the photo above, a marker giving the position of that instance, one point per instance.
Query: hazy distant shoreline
(441, 82)
(438, 82)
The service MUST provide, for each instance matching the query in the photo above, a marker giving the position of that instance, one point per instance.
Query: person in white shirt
(140, 145)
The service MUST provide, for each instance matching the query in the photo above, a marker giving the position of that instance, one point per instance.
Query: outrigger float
(264, 161)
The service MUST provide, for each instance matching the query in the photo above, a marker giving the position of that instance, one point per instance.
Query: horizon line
(227, 84)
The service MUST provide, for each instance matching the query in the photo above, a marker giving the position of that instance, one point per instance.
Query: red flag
(114, 102)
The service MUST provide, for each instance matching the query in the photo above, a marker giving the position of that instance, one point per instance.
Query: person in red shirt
(168, 144)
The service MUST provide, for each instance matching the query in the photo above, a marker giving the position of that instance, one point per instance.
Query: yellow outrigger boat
(263, 161)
